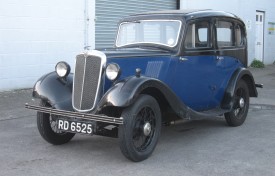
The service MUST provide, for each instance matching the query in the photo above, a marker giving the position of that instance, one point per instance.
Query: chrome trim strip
(103, 65)
(177, 39)
(85, 60)
(76, 115)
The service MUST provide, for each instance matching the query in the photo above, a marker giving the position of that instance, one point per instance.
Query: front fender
(125, 92)
(56, 91)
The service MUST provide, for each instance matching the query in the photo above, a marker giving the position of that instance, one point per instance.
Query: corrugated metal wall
(109, 12)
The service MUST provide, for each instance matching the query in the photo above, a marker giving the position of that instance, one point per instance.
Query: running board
(213, 113)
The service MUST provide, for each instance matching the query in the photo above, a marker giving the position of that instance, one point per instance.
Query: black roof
(187, 13)
(184, 11)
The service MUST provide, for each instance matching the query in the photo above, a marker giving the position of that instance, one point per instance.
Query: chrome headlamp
(112, 71)
(62, 69)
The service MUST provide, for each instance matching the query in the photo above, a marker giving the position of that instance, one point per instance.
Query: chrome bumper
(77, 115)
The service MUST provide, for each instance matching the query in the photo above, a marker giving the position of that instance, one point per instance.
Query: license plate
(75, 127)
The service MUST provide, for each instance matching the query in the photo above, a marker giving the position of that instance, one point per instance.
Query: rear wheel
(139, 134)
(47, 127)
(241, 105)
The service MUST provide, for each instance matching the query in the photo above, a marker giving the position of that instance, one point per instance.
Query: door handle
(183, 59)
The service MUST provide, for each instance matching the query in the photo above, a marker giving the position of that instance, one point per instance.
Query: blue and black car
(164, 66)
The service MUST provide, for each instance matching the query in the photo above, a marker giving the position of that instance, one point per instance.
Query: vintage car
(164, 66)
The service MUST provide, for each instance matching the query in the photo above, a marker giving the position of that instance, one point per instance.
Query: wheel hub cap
(147, 128)
(241, 102)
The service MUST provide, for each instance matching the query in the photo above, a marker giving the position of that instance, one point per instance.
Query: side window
(224, 34)
(239, 35)
(197, 35)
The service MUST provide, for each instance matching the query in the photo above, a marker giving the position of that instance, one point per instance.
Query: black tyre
(241, 105)
(47, 127)
(139, 134)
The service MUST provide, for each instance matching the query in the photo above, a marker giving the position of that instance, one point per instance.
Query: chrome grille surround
(89, 67)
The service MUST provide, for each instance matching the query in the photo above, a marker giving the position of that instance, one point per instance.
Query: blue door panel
(225, 68)
(195, 75)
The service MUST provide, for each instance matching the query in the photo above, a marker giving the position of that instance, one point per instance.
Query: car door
(230, 54)
(196, 69)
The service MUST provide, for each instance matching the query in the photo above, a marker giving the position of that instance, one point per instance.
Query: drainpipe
(86, 25)
(178, 4)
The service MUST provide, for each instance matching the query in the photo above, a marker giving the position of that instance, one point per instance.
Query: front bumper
(77, 115)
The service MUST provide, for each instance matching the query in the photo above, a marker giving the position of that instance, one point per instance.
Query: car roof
(188, 13)
(184, 11)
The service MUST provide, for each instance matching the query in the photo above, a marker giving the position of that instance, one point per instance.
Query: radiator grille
(87, 78)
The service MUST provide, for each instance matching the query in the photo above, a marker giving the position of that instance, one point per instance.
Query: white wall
(35, 35)
(246, 10)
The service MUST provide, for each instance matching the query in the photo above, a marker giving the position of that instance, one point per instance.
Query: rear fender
(55, 90)
(244, 74)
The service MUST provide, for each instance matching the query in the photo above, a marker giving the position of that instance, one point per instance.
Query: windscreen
(160, 32)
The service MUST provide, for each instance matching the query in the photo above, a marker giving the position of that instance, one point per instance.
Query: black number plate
(75, 126)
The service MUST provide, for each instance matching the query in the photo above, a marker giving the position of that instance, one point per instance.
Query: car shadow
(108, 148)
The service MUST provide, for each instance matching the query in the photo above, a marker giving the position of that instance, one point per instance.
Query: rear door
(213, 50)
(230, 54)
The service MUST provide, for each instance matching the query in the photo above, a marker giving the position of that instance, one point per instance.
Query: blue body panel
(155, 67)
(199, 81)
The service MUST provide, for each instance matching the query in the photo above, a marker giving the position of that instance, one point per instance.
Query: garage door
(108, 13)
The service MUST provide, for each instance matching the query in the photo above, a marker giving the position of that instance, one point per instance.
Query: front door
(259, 43)
(196, 69)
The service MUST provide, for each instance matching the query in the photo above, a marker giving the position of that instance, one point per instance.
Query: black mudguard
(125, 92)
(56, 91)
(244, 74)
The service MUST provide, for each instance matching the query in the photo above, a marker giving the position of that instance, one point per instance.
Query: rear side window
(239, 35)
(224, 34)
(197, 35)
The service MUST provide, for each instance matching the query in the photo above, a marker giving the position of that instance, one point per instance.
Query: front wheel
(47, 127)
(139, 134)
(241, 105)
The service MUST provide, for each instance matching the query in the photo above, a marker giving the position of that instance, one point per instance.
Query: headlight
(112, 71)
(62, 69)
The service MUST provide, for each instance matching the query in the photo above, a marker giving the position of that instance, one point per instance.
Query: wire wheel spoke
(238, 108)
(53, 124)
(236, 111)
(140, 140)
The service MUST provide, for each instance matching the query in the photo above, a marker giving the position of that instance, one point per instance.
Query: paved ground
(205, 147)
